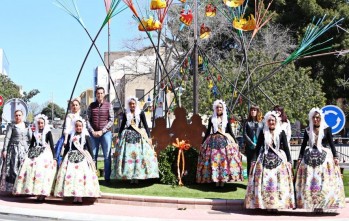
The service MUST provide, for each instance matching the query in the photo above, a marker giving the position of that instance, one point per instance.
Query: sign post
(334, 118)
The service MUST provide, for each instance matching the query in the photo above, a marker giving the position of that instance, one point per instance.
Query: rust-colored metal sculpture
(195, 131)
(191, 132)
(160, 135)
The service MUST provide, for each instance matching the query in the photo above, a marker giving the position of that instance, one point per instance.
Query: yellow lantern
(244, 24)
(157, 4)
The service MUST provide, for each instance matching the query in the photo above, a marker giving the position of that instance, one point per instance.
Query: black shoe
(107, 182)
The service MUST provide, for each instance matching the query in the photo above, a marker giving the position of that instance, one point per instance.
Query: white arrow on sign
(330, 112)
(338, 123)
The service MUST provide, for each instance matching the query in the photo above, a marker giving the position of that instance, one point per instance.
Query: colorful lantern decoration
(182, 146)
(204, 31)
(232, 120)
(233, 3)
(200, 60)
(210, 10)
(186, 17)
(215, 91)
(210, 84)
(244, 24)
(219, 78)
(235, 94)
(157, 4)
(149, 24)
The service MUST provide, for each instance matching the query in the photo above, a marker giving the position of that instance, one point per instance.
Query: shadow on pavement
(66, 201)
(264, 212)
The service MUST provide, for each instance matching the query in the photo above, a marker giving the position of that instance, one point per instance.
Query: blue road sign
(334, 117)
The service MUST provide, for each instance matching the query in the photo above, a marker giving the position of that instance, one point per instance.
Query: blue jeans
(105, 142)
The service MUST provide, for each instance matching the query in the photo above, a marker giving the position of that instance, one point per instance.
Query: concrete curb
(16, 212)
(39, 214)
(190, 203)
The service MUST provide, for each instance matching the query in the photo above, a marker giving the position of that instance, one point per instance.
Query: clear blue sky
(46, 47)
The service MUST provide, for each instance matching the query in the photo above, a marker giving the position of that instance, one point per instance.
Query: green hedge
(168, 166)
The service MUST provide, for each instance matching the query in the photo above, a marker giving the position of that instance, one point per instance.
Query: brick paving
(152, 208)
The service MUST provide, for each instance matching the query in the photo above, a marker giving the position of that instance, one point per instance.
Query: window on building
(140, 94)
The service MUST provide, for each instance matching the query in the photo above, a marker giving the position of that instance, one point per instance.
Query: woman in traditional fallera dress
(219, 158)
(135, 156)
(14, 152)
(318, 181)
(270, 184)
(68, 126)
(38, 171)
(74, 114)
(76, 176)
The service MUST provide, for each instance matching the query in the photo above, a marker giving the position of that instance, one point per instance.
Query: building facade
(132, 73)
(4, 64)
(87, 97)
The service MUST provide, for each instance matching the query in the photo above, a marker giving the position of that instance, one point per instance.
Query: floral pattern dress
(270, 184)
(219, 158)
(37, 174)
(76, 176)
(135, 156)
(318, 180)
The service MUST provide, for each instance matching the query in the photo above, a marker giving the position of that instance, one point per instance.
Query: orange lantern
(204, 32)
(186, 17)
(149, 24)
(210, 10)
(244, 24)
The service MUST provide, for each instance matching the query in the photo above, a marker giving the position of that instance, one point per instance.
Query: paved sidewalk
(57, 209)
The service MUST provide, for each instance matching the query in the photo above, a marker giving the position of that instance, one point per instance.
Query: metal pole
(196, 57)
(52, 109)
(108, 89)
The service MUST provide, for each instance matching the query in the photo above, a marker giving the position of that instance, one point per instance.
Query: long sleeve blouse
(143, 120)
(228, 130)
(327, 139)
(251, 129)
(48, 139)
(283, 145)
(87, 146)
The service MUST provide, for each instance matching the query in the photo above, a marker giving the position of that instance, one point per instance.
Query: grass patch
(152, 188)
(346, 182)
(235, 190)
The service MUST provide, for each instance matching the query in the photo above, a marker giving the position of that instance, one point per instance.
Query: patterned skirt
(75, 178)
(318, 182)
(219, 160)
(134, 158)
(16, 154)
(37, 173)
(270, 186)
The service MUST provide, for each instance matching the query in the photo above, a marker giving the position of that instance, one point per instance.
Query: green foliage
(168, 166)
(8, 90)
(57, 111)
(27, 96)
(299, 86)
(331, 69)
(166, 159)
